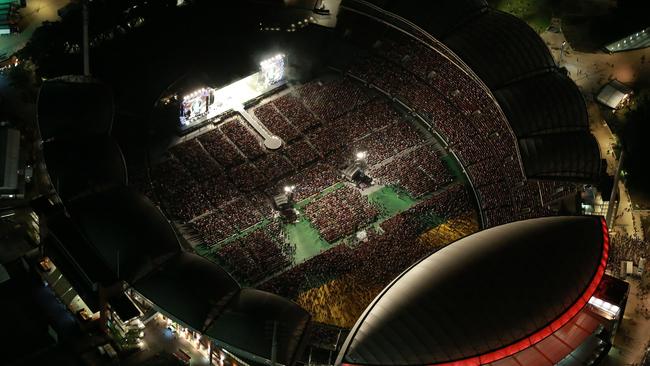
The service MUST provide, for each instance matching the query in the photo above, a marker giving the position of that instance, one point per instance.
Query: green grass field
(306, 239)
(390, 201)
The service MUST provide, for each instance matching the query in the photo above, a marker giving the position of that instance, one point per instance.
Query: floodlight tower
(284, 203)
(361, 160)
(288, 191)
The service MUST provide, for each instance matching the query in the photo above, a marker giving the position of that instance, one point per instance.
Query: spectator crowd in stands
(426, 78)
(256, 256)
(383, 256)
(222, 181)
(340, 213)
(419, 172)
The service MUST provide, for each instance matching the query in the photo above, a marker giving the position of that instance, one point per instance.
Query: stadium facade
(521, 293)
(531, 292)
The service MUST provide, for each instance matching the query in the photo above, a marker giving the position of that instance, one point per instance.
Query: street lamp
(562, 53)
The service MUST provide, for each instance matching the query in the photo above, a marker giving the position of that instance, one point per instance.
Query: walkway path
(33, 15)
(271, 142)
(632, 337)
(590, 71)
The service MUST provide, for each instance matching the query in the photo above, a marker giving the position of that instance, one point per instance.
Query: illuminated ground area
(347, 242)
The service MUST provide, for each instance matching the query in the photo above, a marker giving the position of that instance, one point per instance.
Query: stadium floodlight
(192, 94)
(289, 189)
(361, 155)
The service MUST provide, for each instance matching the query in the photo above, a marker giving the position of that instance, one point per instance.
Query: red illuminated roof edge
(554, 326)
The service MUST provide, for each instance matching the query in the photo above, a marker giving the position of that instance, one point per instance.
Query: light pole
(561, 54)
(86, 45)
(361, 159)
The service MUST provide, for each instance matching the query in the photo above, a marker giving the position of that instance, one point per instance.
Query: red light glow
(550, 328)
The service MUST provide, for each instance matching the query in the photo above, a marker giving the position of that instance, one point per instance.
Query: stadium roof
(248, 321)
(129, 232)
(438, 18)
(569, 156)
(111, 233)
(545, 103)
(78, 165)
(500, 48)
(74, 106)
(79, 262)
(484, 297)
(188, 288)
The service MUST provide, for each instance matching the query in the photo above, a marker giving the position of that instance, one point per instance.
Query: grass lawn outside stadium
(537, 13)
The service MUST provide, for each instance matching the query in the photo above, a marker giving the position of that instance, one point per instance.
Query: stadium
(304, 210)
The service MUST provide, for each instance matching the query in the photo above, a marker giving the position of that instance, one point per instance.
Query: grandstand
(440, 123)
(462, 306)
(464, 125)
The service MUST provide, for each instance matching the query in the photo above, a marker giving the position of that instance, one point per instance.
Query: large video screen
(272, 70)
(195, 105)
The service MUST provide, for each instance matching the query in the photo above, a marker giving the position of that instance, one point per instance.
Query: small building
(9, 162)
(614, 95)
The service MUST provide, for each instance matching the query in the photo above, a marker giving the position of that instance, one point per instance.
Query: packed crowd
(178, 192)
(235, 129)
(229, 159)
(210, 177)
(317, 141)
(273, 166)
(247, 177)
(308, 182)
(293, 109)
(330, 100)
(220, 148)
(228, 219)
(352, 126)
(451, 230)
(254, 257)
(383, 256)
(340, 213)
(460, 109)
(420, 171)
(626, 248)
(323, 123)
(301, 153)
(271, 118)
(361, 123)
